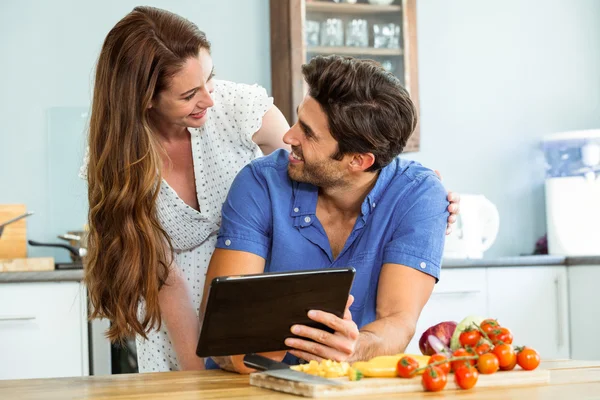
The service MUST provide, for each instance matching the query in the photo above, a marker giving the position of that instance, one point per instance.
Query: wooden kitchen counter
(224, 385)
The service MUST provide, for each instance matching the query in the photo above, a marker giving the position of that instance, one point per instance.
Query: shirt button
(423, 265)
(296, 209)
(228, 243)
(307, 219)
(374, 205)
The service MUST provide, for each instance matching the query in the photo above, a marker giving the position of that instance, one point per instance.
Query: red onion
(443, 332)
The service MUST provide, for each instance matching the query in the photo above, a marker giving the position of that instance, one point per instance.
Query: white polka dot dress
(221, 148)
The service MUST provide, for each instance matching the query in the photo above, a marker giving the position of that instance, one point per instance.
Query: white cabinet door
(43, 330)
(583, 307)
(459, 293)
(533, 303)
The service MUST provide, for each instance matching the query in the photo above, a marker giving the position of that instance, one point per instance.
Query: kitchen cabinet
(303, 29)
(583, 307)
(533, 303)
(43, 330)
(459, 293)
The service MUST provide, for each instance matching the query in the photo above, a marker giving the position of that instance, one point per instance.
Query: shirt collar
(384, 179)
(306, 194)
(305, 199)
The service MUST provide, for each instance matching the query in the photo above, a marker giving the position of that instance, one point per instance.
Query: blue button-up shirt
(402, 221)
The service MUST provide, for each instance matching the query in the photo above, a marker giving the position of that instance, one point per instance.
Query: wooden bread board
(27, 264)
(557, 373)
(13, 242)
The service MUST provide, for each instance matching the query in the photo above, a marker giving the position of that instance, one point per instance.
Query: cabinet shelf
(345, 8)
(343, 50)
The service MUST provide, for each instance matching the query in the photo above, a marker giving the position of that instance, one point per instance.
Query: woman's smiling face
(186, 100)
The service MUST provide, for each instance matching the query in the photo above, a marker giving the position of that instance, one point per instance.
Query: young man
(342, 198)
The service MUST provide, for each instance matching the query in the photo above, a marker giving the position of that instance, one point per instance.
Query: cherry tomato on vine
(528, 358)
(406, 367)
(488, 325)
(503, 335)
(440, 357)
(488, 363)
(466, 377)
(506, 355)
(458, 363)
(469, 338)
(482, 348)
(434, 379)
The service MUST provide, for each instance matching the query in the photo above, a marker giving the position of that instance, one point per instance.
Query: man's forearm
(385, 336)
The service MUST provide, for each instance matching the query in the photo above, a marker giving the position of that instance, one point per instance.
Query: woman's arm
(270, 135)
(178, 314)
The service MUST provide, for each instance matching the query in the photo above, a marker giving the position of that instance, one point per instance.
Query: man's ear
(361, 161)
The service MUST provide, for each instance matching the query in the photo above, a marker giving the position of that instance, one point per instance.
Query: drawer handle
(459, 292)
(559, 312)
(16, 318)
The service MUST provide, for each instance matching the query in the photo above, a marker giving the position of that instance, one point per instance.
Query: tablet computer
(254, 313)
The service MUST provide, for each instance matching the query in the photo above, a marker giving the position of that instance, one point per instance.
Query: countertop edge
(521, 261)
(76, 275)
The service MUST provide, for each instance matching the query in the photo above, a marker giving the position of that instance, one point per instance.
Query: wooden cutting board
(13, 242)
(557, 372)
(27, 264)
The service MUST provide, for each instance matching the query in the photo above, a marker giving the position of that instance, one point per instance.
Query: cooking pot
(77, 253)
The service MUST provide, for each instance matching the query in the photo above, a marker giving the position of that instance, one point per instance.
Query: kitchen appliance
(572, 189)
(475, 229)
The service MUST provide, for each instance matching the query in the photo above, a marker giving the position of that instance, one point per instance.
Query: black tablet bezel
(238, 319)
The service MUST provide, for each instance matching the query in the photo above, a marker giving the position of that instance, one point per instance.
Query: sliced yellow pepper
(385, 366)
(326, 368)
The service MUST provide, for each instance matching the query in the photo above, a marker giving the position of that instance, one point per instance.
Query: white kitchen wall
(494, 76)
(48, 50)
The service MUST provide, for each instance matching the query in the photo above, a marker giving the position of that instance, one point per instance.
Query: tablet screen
(254, 313)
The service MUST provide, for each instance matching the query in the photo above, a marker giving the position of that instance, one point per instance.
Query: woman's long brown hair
(129, 253)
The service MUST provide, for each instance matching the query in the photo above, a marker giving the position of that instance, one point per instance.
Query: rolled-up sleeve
(418, 240)
(246, 215)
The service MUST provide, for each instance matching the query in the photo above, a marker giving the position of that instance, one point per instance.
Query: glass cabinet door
(381, 30)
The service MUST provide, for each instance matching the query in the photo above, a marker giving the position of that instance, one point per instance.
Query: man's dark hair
(367, 108)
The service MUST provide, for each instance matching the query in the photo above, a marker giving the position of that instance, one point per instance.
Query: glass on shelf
(357, 33)
(332, 32)
(388, 66)
(312, 30)
(386, 36)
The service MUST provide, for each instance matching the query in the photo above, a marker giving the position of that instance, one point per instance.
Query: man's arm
(402, 294)
(233, 262)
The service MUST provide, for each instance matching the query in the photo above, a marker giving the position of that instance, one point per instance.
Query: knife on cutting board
(283, 371)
